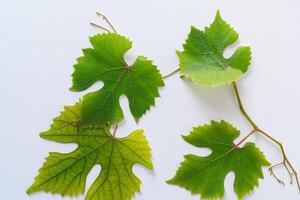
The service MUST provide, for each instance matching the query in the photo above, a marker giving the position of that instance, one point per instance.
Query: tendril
(285, 162)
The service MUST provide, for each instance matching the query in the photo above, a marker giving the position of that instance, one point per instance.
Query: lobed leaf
(206, 175)
(105, 62)
(202, 59)
(66, 173)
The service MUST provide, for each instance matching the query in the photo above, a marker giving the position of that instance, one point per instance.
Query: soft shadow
(218, 98)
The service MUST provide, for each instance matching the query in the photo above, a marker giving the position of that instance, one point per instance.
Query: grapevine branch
(285, 161)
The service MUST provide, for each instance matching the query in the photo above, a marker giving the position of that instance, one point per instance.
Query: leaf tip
(150, 166)
(42, 134)
(185, 137)
(218, 16)
(29, 190)
(170, 181)
(136, 119)
(72, 89)
(193, 28)
(178, 53)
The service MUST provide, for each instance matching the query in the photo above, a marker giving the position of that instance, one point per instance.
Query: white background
(40, 41)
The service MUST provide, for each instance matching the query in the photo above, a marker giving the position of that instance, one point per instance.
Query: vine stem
(107, 21)
(101, 27)
(285, 162)
(242, 109)
(171, 73)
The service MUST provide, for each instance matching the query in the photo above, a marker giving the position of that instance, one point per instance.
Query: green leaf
(202, 59)
(65, 173)
(105, 62)
(206, 175)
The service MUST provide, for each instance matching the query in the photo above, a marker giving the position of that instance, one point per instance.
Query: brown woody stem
(171, 73)
(285, 162)
(107, 21)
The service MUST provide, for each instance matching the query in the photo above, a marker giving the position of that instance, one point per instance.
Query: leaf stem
(171, 73)
(286, 163)
(246, 137)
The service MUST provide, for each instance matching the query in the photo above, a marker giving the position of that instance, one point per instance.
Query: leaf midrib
(78, 159)
(211, 162)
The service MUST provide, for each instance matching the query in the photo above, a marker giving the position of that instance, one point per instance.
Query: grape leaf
(206, 175)
(65, 173)
(105, 62)
(202, 59)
